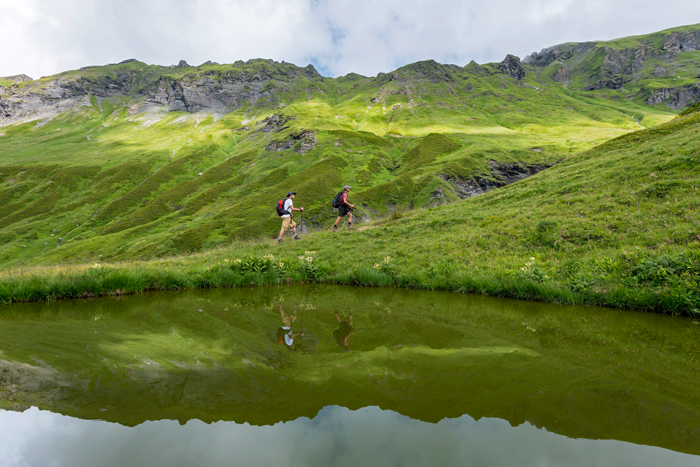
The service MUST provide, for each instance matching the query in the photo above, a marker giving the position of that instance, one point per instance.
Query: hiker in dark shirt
(345, 208)
(344, 331)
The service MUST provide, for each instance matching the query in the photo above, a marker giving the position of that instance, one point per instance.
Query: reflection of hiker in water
(344, 331)
(284, 334)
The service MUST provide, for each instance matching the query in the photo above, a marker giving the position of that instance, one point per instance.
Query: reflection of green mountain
(425, 355)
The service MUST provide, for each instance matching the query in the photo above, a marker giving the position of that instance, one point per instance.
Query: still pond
(330, 375)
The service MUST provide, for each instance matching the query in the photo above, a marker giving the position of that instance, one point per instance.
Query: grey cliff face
(211, 91)
(621, 66)
(302, 141)
(676, 98)
(512, 67)
(17, 78)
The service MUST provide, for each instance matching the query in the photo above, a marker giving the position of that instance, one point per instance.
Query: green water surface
(215, 355)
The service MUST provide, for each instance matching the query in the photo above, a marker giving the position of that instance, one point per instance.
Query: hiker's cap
(290, 194)
(346, 187)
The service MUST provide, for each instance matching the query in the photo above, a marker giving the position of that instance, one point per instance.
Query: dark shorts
(343, 210)
(343, 331)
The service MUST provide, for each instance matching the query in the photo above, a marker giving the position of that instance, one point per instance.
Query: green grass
(615, 226)
(119, 187)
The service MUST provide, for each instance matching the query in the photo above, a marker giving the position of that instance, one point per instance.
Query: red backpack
(280, 208)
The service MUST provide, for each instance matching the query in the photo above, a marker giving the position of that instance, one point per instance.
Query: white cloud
(336, 436)
(340, 36)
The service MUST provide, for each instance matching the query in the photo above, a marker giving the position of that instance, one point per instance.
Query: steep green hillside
(137, 161)
(617, 225)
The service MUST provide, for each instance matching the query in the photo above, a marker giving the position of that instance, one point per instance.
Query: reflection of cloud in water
(337, 436)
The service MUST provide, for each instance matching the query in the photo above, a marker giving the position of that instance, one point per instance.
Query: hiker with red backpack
(284, 333)
(284, 210)
(344, 207)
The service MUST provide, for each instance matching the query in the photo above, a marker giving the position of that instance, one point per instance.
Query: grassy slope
(485, 113)
(616, 225)
(100, 183)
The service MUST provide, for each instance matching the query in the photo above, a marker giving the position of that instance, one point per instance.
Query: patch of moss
(150, 185)
(464, 168)
(399, 191)
(107, 181)
(210, 196)
(427, 150)
(174, 198)
(366, 136)
(192, 239)
(690, 109)
(41, 206)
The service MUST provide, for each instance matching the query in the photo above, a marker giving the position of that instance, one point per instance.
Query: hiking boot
(350, 227)
(297, 237)
(335, 228)
(279, 240)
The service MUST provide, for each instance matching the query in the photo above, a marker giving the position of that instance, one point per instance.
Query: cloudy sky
(43, 37)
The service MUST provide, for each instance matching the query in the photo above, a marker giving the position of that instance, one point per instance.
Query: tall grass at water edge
(629, 289)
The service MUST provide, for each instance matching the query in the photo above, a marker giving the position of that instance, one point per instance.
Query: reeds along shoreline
(79, 282)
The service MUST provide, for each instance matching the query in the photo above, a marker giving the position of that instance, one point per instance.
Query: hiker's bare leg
(338, 317)
(349, 218)
(337, 220)
(295, 311)
(281, 233)
(281, 310)
(294, 229)
(350, 320)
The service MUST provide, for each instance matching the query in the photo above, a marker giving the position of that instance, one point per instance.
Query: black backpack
(280, 208)
(336, 200)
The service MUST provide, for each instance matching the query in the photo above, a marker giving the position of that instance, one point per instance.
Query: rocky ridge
(150, 88)
(512, 67)
(221, 89)
(631, 62)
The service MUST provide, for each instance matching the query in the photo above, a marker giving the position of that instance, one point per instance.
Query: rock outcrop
(609, 66)
(17, 78)
(302, 141)
(512, 67)
(501, 175)
(677, 98)
(616, 82)
(273, 124)
(682, 42)
(216, 91)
